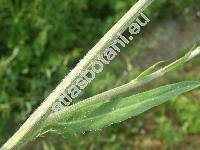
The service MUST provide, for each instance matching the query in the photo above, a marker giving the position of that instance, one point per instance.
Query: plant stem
(29, 129)
(105, 96)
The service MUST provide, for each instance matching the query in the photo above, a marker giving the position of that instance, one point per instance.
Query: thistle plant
(105, 108)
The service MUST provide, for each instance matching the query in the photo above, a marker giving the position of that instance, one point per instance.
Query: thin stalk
(110, 94)
(29, 129)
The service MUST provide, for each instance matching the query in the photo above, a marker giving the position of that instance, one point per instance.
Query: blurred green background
(42, 40)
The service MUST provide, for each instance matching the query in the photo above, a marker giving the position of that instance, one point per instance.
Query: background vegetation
(41, 41)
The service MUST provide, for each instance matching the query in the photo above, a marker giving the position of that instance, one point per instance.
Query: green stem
(29, 129)
(110, 94)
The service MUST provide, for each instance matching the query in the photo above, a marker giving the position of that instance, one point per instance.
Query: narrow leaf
(149, 70)
(177, 63)
(99, 115)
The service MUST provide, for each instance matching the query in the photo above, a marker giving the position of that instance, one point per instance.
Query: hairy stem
(29, 129)
(105, 96)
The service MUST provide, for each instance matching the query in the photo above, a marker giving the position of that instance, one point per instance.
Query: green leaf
(149, 70)
(99, 115)
(177, 63)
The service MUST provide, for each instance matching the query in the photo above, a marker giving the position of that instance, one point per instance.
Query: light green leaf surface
(99, 115)
(148, 70)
